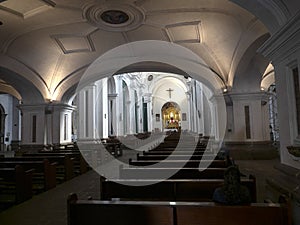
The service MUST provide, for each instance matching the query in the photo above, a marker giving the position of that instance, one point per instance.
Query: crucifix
(169, 90)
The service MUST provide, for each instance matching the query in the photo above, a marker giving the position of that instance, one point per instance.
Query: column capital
(147, 97)
(217, 98)
(46, 107)
(112, 96)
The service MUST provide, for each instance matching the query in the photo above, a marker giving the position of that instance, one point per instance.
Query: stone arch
(163, 55)
(22, 86)
(273, 14)
(252, 63)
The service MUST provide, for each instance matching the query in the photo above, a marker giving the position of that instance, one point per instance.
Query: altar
(171, 116)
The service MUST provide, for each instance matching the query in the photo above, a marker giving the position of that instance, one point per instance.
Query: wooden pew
(166, 147)
(211, 214)
(118, 213)
(200, 190)
(137, 190)
(44, 175)
(80, 165)
(95, 212)
(176, 157)
(166, 190)
(178, 163)
(15, 186)
(175, 173)
(65, 168)
(170, 152)
(113, 145)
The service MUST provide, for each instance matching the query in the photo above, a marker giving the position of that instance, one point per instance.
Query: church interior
(136, 108)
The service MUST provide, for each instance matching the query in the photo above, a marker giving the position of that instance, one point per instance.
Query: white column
(140, 113)
(218, 117)
(258, 116)
(148, 100)
(119, 110)
(86, 113)
(59, 123)
(200, 111)
(112, 116)
(102, 108)
(33, 124)
(131, 111)
(189, 117)
(194, 107)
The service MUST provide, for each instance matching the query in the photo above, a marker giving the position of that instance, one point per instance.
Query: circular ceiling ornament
(114, 17)
(150, 77)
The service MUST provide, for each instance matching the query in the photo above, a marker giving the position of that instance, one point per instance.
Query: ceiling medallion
(114, 17)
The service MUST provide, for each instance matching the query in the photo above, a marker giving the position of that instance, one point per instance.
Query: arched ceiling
(56, 40)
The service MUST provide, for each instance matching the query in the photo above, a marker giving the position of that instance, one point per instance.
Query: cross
(169, 90)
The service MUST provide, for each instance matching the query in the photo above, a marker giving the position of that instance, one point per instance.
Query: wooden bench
(174, 173)
(44, 175)
(65, 168)
(80, 165)
(171, 152)
(15, 186)
(179, 163)
(113, 145)
(95, 212)
(176, 157)
(167, 190)
(211, 214)
(182, 148)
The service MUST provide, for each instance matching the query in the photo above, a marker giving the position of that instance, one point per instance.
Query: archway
(151, 51)
(171, 116)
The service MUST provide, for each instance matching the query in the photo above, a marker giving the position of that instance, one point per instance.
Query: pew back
(212, 214)
(174, 173)
(118, 213)
(166, 190)
(179, 163)
(94, 212)
(15, 185)
(44, 172)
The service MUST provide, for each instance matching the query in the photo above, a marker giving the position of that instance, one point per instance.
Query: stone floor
(49, 208)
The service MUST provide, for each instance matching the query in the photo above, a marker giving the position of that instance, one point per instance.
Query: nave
(50, 207)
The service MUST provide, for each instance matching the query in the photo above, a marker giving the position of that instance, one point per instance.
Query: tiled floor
(49, 208)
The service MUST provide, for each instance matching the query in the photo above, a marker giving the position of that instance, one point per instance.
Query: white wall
(161, 96)
(12, 120)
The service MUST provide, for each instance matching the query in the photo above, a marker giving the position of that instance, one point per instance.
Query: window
(65, 127)
(247, 122)
(33, 135)
(297, 96)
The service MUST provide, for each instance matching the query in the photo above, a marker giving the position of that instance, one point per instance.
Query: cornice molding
(284, 42)
(250, 96)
